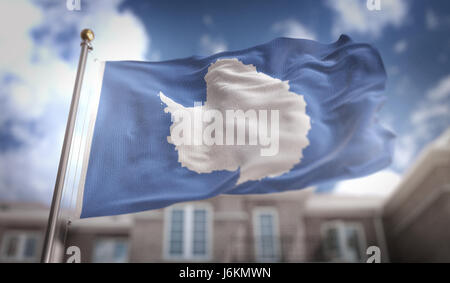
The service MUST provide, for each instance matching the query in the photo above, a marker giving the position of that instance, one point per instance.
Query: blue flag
(275, 117)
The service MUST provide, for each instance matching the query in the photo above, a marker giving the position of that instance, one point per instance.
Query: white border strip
(90, 132)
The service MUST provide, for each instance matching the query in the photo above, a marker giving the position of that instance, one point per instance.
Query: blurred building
(417, 216)
(299, 226)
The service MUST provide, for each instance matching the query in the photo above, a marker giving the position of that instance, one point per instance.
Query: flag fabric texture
(328, 97)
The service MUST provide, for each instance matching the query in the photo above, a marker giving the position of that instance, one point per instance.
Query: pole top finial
(87, 35)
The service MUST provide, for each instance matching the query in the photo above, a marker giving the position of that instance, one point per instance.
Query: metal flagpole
(87, 36)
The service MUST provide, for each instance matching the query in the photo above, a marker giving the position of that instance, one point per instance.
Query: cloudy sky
(39, 45)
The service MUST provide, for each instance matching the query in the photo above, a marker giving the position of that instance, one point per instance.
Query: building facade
(298, 226)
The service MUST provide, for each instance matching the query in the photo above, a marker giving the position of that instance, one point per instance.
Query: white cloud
(380, 184)
(119, 35)
(428, 112)
(209, 45)
(436, 106)
(294, 29)
(15, 41)
(207, 20)
(352, 16)
(400, 46)
(431, 20)
(441, 90)
(432, 113)
(40, 55)
(405, 149)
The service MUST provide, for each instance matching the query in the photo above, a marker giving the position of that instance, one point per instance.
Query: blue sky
(41, 44)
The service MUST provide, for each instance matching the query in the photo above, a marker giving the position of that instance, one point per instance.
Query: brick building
(299, 226)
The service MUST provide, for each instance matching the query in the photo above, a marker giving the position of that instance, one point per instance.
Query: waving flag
(275, 117)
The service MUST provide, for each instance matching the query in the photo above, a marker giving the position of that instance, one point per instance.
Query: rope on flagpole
(87, 36)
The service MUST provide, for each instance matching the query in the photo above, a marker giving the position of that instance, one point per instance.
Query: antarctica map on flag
(230, 85)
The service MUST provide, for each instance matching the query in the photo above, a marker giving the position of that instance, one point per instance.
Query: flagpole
(87, 36)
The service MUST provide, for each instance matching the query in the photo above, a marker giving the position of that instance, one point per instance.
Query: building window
(189, 232)
(266, 233)
(343, 241)
(20, 246)
(199, 233)
(114, 250)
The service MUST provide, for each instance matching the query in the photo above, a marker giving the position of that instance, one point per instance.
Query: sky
(40, 47)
